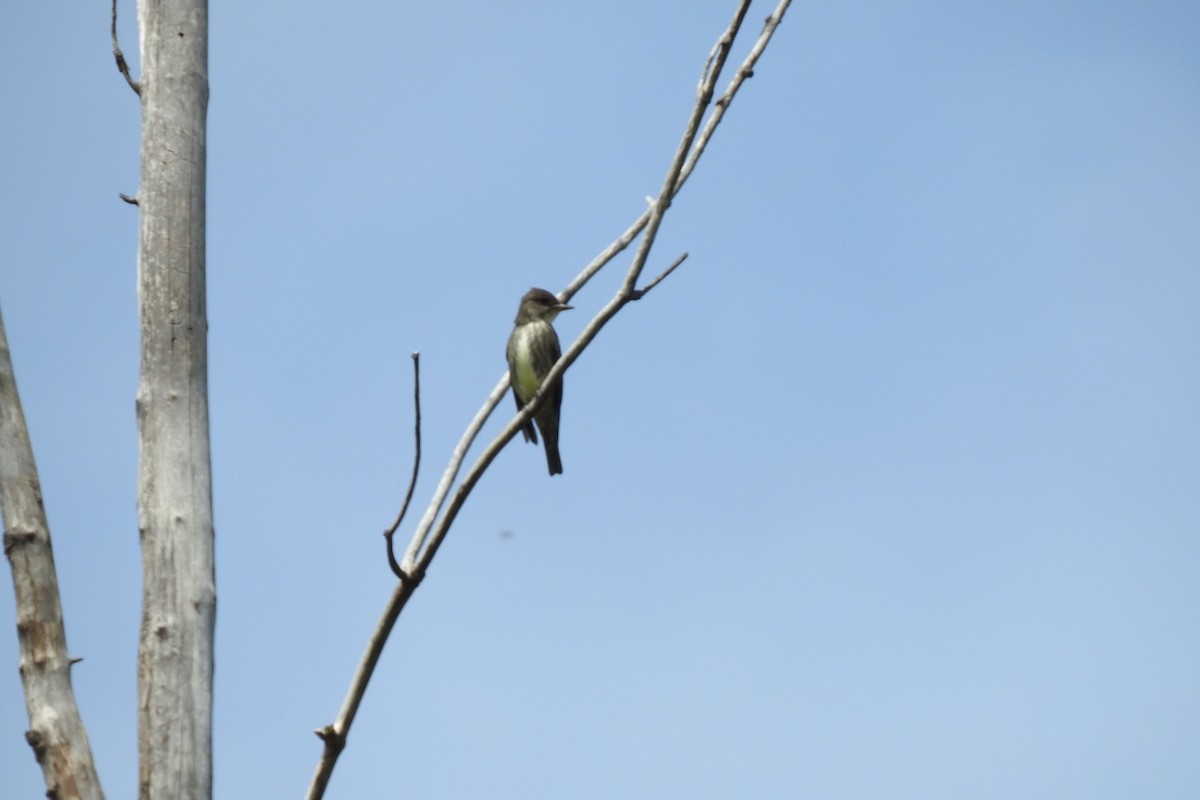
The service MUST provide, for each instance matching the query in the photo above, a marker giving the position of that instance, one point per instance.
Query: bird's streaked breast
(527, 380)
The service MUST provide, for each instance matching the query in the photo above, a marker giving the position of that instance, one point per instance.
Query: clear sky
(892, 490)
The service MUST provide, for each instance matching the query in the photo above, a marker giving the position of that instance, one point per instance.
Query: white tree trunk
(175, 655)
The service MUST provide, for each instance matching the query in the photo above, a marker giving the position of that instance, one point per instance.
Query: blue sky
(889, 491)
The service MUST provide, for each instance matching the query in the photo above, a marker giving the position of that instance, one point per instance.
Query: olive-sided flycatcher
(532, 350)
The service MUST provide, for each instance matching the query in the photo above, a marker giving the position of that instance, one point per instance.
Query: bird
(532, 350)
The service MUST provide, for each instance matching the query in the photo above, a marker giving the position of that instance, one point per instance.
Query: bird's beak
(562, 307)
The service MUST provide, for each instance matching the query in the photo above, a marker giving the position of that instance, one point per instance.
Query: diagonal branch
(56, 731)
(432, 530)
(638, 294)
(624, 295)
(745, 70)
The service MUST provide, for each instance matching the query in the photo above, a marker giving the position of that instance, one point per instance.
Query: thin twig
(744, 71)
(416, 468)
(123, 67)
(638, 294)
(704, 93)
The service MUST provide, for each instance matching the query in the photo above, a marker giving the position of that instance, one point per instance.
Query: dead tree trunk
(175, 654)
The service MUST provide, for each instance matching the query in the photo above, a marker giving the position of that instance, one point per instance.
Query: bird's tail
(552, 459)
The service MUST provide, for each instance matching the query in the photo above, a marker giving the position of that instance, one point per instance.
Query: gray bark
(175, 654)
(56, 730)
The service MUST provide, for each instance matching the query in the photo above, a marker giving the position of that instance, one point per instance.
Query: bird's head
(539, 304)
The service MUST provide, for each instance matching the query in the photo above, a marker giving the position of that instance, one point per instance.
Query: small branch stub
(331, 737)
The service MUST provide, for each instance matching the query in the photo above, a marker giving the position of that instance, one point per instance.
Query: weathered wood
(56, 730)
(175, 654)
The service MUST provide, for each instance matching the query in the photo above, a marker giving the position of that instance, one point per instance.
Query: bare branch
(638, 294)
(704, 93)
(122, 66)
(709, 78)
(431, 530)
(451, 472)
(334, 736)
(56, 731)
(416, 468)
(744, 71)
